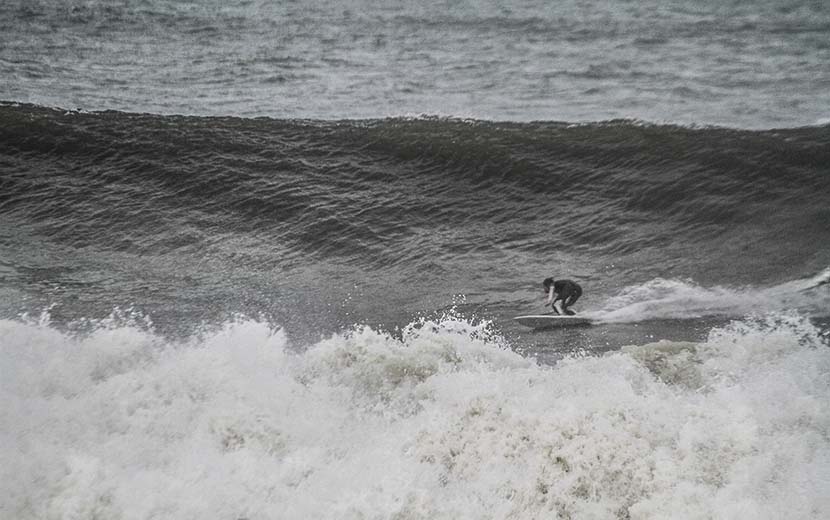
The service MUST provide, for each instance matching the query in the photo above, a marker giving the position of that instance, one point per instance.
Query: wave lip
(441, 421)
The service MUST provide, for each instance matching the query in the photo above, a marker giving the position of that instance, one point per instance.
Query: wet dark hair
(547, 283)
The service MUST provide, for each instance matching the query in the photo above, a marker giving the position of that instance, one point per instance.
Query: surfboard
(548, 321)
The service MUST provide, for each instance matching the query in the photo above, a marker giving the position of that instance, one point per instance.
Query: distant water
(295, 301)
(754, 64)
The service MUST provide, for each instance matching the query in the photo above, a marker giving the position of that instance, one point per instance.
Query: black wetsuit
(568, 291)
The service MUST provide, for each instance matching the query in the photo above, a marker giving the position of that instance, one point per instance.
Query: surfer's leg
(570, 301)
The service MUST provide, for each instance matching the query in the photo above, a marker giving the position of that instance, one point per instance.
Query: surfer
(566, 291)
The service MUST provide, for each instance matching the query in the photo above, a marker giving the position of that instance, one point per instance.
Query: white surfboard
(547, 321)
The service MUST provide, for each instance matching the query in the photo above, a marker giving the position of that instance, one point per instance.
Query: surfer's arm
(550, 295)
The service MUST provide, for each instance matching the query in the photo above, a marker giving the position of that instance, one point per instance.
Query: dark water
(318, 225)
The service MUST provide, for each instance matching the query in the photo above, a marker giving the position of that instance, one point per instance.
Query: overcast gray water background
(757, 64)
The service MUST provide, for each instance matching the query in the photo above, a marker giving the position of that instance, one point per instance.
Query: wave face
(203, 217)
(440, 422)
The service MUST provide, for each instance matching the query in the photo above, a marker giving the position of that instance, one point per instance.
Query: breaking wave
(442, 420)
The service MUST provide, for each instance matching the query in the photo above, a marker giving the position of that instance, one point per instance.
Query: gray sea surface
(757, 64)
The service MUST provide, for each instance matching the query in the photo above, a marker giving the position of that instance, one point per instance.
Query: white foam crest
(662, 298)
(439, 421)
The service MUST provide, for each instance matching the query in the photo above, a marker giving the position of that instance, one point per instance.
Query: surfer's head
(547, 283)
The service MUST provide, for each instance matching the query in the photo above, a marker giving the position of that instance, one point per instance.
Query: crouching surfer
(566, 291)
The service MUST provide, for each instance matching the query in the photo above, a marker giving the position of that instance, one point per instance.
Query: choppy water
(253, 317)
(757, 64)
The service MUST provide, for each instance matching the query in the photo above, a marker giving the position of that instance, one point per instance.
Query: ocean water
(748, 64)
(259, 260)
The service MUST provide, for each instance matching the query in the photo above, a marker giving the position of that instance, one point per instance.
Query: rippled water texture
(742, 64)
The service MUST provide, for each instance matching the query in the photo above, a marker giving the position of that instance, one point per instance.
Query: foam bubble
(439, 421)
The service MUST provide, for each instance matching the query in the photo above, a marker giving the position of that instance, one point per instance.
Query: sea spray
(660, 299)
(437, 422)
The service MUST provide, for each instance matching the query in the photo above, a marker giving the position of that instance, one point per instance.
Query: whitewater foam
(441, 421)
(662, 298)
